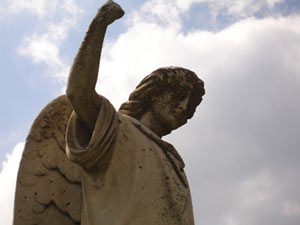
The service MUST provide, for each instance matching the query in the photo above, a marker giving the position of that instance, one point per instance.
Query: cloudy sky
(242, 146)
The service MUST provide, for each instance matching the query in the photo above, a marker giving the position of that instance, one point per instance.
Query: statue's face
(170, 108)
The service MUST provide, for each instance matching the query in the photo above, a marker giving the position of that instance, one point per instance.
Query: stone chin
(169, 127)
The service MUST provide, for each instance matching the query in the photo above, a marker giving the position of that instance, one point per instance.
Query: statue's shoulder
(48, 187)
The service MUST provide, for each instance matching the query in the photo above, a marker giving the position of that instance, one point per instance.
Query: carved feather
(48, 187)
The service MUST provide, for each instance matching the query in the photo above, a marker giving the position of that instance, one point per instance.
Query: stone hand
(109, 12)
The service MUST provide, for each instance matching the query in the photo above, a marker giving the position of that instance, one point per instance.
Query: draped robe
(129, 175)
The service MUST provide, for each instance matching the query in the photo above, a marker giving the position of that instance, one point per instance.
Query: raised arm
(84, 71)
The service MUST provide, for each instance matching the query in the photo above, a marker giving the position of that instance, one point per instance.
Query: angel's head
(169, 95)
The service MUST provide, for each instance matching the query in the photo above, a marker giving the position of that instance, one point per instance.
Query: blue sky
(242, 146)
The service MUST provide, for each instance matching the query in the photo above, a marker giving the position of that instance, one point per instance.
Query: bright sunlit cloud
(44, 47)
(8, 176)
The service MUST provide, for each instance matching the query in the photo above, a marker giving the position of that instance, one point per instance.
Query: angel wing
(48, 187)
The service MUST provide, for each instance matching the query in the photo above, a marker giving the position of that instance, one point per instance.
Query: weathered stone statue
(85, 163)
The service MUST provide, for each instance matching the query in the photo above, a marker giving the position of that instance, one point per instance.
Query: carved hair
(176, 79)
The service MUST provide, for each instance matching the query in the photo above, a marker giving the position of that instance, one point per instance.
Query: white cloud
(41, 49)
(166, 11)
(231, 221)
(257, 190)
(169, 12)
(8, 177)
(136, 53)
(41, 8)
(44, 47)
(148, 45)
(241, 9)
(271, 3)
(291, 208)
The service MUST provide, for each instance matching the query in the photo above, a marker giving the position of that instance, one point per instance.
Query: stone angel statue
(86, 163)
